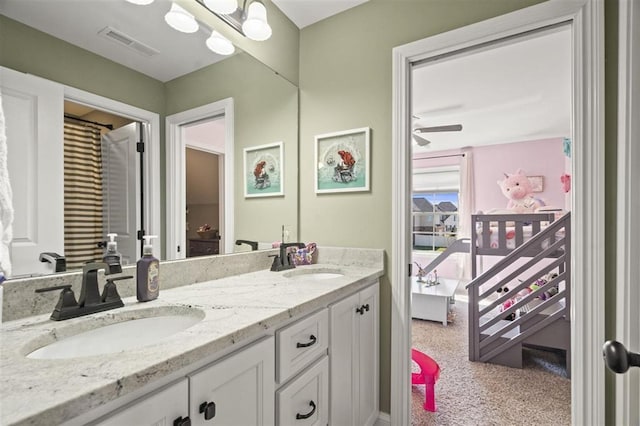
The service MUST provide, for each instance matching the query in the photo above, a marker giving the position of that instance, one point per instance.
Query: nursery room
(491, 203)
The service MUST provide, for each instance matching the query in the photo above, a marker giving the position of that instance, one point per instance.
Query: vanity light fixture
(217, 43)
(181, 20)
(255, 25)
(141, 2)
(250, 22)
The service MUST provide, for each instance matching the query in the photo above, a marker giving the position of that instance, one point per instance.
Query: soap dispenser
(111, 256)
(148, 272)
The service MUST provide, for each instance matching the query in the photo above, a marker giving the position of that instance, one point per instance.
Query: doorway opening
(102, 184)
(511, 113)
(204, 185)
(209, 129)
(587, 221)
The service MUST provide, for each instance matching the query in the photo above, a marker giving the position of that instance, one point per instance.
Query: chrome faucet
(90, 301)
(283, 261)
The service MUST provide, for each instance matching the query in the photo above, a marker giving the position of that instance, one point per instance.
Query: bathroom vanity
(261, 348)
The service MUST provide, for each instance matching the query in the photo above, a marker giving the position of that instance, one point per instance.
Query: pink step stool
(428, 375)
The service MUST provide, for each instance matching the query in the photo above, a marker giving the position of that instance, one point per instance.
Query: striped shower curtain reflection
(82, 193)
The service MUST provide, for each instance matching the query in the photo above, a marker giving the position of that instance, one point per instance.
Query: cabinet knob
(309, 414)
(312, 341)
(180, 421)
(208, 409)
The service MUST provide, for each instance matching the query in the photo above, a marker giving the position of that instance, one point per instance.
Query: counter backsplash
(20, 299)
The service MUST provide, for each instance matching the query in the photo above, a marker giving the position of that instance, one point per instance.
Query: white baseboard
(384, 419)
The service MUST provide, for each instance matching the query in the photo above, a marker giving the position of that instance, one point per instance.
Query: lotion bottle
(111, 256)
(148, 272)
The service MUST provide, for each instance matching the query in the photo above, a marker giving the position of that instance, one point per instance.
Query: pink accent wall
(537, 158)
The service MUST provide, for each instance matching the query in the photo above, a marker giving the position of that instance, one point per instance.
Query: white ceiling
(306, 12)
(517, 91)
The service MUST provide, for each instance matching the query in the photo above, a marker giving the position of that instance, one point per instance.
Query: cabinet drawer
(299, 344)
(160, 408)
(305, 401)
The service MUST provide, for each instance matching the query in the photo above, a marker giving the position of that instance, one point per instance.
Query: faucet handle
(110, 291)
(66, 301)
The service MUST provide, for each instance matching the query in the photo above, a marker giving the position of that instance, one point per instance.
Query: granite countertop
(234, 310)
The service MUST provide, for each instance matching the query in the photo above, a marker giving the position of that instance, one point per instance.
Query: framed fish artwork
(264, 171)
(343, 161)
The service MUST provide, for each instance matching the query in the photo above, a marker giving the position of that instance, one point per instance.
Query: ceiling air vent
(127, 41)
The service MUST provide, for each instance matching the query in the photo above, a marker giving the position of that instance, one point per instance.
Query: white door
(121, 189)
(33, 109)
(628, 220)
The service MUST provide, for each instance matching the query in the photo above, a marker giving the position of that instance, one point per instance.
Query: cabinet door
(237, 390)
(305, 401)
(160, 408)
(368, 356)
(343, 366)
(353, 364)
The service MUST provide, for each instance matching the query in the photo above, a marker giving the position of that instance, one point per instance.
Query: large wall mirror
(265, 112)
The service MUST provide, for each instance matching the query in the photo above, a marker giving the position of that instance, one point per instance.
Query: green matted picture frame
(264, 171)
(343, 161)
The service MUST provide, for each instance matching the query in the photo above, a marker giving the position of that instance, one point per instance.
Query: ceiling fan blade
(449, 128)
(420, 140)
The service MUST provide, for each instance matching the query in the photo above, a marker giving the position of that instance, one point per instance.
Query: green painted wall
(266, 111)
(345, 83)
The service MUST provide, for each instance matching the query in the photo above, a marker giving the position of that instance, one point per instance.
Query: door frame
(587, 311)
(152, 151)
(627, 395)
(176, 176)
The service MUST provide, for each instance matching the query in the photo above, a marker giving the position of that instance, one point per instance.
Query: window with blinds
(435, 213)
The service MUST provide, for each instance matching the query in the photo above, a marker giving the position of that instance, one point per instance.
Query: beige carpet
(474, 393)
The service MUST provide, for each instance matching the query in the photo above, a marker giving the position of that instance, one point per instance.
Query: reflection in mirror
(262, 111)
(265, 112)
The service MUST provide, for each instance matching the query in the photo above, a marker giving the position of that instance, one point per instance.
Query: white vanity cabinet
(353, 362)
(237, 390)
(305, 400)
(167, 406)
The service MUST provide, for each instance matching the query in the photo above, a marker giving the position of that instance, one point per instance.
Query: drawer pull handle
(209, 410)
(306, 345)
(309, 414)
(362, 309)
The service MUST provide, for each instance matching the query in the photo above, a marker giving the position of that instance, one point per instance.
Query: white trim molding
(586, 18)
(627, 407)
(176, 178)
(151, 124)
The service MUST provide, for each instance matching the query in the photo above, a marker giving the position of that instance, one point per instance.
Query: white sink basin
(119, 336)
(313, 275)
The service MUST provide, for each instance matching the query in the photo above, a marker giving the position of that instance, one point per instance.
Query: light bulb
(181, 20)
(141, 2)
(219, 44)
(225, 7)
(255, 26)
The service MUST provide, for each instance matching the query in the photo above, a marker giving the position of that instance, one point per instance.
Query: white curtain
(465, 208)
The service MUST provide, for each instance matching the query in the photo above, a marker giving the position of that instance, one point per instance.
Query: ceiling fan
(422, 141)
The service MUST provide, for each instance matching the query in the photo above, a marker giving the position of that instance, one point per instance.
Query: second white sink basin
(119, 336)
